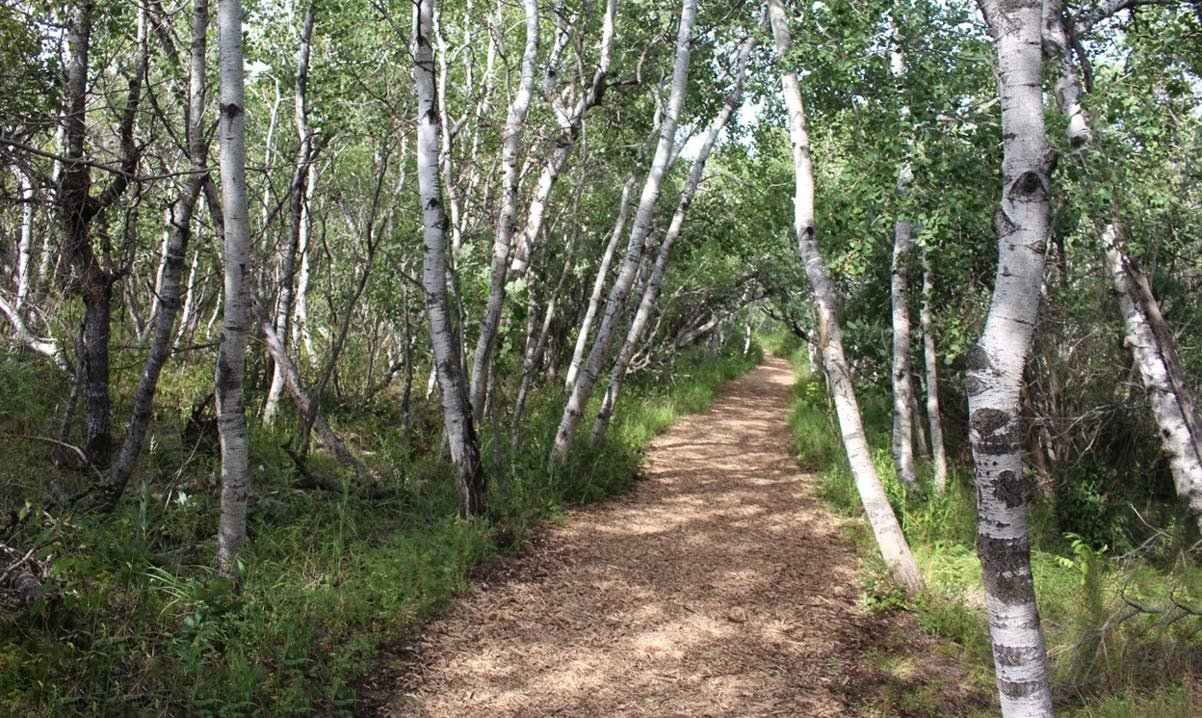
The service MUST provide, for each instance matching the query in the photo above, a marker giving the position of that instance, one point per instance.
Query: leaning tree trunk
(889, 537)
(594, 300)
(174, 257)
(1171, 401)
(1151, 343)
(457, 410)
(642, 315)
(236, 316)
(995, 364)
(298, 195)
(938, 450)
(574, 409)
(511, 151)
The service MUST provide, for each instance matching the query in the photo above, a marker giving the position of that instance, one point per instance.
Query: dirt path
(718, 587)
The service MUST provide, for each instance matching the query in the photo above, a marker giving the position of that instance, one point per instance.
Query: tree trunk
(574, 409)
(25, 243)
(650, 294)
(298, 194)
(174, 256)
(594, 300)
(510, 155)
(995, 365)
(1172, 403)
(938, 450)
(457, 410)
(893, 546)
(236, 316)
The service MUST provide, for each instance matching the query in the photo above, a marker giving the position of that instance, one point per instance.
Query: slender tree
(995, 364)
(236, 313)
(889, 537)
(457, 409)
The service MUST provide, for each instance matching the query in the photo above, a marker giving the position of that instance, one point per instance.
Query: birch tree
(650, 296)
(574, 409)
(889, 538)
(457, 409)
(236, 313)
(995, 364)
(510, 155)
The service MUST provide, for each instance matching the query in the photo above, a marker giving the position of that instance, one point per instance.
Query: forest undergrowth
(135, 621)
(1120, 604)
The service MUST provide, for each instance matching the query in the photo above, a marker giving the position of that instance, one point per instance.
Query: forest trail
(718, 586)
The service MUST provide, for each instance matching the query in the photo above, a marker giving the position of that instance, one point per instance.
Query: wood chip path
(716, 587)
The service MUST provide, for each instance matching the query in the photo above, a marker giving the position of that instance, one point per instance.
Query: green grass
(137, 623)
(1109, 659)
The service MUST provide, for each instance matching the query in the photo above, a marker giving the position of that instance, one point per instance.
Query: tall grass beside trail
(1123, 622)
(136, 622)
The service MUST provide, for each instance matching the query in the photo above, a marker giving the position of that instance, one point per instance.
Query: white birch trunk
(1173, 416)
(892, 544)
(171, 270)
(574, 409)
(510, 154)
(650, 295)
(938, 450)
(457, 410)
(594, 300)
(995, 365)
(236, 319)
(302, 327)
(25, 243)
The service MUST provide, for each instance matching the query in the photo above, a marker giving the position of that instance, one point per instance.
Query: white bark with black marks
(236, 315)
(574, 409)
(650, 295)
(892, 544)
(511, 151)
(457, 410)
(938, 449)
(995, 364)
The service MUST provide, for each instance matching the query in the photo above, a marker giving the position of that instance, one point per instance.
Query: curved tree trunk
(650, 295)
(510, 156)
(179, 235)
(574, 409)
(236, 315)
(890, 540)
(995, 365)
(457, 410)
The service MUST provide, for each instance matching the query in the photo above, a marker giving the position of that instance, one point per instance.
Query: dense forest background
(486, 250)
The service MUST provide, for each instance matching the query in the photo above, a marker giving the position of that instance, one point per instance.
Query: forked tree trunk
(892, 544)
(938, 450)
(298, 194)
(995, 364)
(511, 150)
(174, 256)
(650, 294)
(574, 409)
(457, 410)
(236, 316)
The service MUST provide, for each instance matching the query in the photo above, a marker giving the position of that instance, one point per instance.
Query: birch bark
(650, 295)
(174, 256)
(574, 409)
(236, 314)
(938, 450)
(995, 364)
(457, 410)
(892, 544)
(594, 300)
(510, 155)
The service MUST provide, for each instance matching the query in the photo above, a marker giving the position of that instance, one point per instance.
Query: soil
(718, 586)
